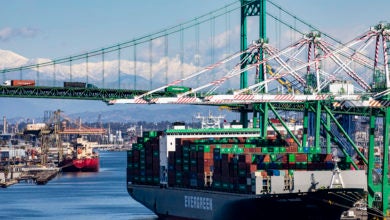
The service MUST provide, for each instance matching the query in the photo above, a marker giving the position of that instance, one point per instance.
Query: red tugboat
(80, 157)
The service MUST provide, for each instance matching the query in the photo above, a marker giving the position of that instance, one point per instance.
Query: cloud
(5, 33)
(8, 33)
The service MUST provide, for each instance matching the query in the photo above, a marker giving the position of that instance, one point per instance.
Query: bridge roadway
(70, 93)
(117, 94)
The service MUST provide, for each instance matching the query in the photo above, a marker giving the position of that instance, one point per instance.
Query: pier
(8, 183)
(35, 174)
(40, 175)
(43, 177)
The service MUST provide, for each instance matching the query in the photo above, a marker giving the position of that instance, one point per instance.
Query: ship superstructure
(80, 156)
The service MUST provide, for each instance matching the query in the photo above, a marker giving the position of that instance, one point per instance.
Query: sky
(56, 29)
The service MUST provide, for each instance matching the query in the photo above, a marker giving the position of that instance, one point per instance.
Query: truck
(78, 85)
(177, 89)
(20, 82)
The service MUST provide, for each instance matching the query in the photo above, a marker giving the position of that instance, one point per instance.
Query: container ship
(80, 156)
(229, 172)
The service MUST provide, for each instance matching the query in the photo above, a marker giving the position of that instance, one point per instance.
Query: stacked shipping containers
(191, 165)
(226, 164)
(143, 160)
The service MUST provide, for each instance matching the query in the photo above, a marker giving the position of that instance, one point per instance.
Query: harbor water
(92, 196)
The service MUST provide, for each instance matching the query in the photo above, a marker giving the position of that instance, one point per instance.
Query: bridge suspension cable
(143, 39)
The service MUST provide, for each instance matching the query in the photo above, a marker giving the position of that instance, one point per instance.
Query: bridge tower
(260, 111)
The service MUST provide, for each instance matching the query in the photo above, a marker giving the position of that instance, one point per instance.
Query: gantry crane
(79, 129)
(51, 133)
(320, 103)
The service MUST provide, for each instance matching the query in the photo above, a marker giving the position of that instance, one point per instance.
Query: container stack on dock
(224, 164)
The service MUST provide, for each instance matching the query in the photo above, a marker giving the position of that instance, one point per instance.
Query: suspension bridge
(209, 61)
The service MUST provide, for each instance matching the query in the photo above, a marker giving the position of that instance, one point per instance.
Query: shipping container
(79, 85)
(19, 82)
(74, 84)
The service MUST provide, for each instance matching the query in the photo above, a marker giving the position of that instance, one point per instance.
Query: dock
(40, 175)
(43, 177)
(34, 174)
(8, 183)
(9, 178)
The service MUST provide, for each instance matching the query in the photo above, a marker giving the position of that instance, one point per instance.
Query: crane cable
(210, 67)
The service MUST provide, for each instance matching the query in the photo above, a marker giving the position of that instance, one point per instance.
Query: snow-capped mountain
(78, 71)
(10, 59)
